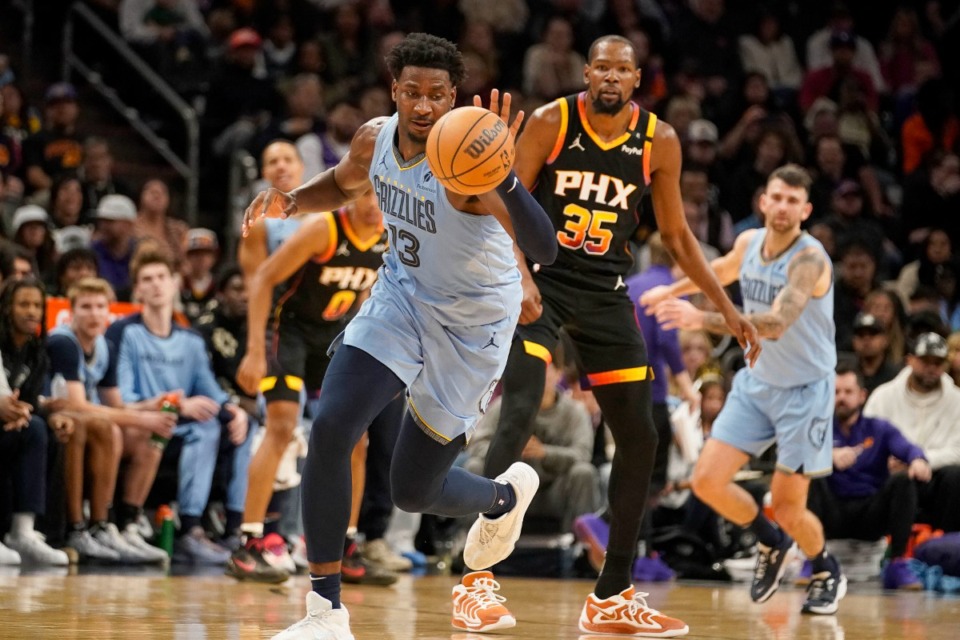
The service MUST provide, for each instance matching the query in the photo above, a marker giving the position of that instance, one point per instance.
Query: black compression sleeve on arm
(532, 226)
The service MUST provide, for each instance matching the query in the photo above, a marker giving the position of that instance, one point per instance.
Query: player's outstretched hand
(748, 337)
(503, 108)
(674, 313)
(271, 203)
(653, 297)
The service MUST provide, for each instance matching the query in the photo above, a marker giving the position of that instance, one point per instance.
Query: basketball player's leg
(356, 388)
(614, 360)
(803, 416)
(282, 390)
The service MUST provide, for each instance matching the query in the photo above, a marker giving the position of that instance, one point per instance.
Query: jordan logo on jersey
(576, 143)
(491, 343)
(343, 249)
(602, 189)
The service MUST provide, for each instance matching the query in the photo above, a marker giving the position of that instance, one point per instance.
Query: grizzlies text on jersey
(470, 276)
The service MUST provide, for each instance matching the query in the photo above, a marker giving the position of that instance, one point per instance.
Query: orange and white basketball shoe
(627, 614)
(477, 606)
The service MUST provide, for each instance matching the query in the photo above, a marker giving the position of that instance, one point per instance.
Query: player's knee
(788, 515)
(409, 497)
(279, 433)
(704, 486)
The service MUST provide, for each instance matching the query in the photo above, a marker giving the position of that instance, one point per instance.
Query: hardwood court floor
(213, 607)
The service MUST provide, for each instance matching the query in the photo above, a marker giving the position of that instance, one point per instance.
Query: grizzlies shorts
(449, 371)
(798, 419)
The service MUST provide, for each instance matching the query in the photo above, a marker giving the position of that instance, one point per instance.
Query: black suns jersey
(591, 190)
(326, 287)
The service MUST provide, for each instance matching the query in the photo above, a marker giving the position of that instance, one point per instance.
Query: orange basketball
(470, 150)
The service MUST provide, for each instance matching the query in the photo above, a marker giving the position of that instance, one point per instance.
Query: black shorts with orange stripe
(297, 358)
(601, 324)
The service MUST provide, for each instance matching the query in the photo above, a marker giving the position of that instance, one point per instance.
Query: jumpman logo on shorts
(576, 143)
(491, 343)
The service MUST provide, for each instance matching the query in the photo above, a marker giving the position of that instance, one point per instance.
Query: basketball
(470, 150)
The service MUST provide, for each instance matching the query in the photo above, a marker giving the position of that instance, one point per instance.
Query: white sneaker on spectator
(109, 536)
(379, 553)
(8, 556)
(491, 540)
(299, 554)
(322, 622)
(276, 554)
(194, 547)
(131, 535)
(88, 548)
(33, 547)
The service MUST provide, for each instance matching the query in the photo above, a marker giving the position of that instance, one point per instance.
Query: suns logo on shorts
(818, 431)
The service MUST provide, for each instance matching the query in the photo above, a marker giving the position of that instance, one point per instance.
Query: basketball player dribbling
(589, 158)
(436, 325)
(786, 279)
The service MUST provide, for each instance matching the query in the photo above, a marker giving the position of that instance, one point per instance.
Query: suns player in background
(328, 263)
(436, 325)
(786, 279)
(589, 158)
(298, 353)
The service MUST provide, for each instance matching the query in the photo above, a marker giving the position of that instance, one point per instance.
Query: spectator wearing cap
(819, 46)
(57, 147)
(924, 404)
(826, 81)
(30, 230)
(198, 288)
(155, 222)
(115, 242)
(241, 96)
(871, 340)
(862, 499)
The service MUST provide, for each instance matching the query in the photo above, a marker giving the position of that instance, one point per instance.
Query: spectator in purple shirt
(862, 500)
(663, 352)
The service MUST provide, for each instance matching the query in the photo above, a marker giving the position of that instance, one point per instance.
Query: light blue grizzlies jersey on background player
(807, 351)
(788, 396)
(442, 313)
(470, 275)
(279, 229)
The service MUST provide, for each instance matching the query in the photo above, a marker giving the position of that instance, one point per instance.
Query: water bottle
(164, 520)
(58, 386)
(169, 404)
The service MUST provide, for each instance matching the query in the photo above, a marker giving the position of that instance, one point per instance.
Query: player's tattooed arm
(803, 274)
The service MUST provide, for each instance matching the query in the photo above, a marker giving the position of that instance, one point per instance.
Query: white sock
(253, 529)
(22, 524)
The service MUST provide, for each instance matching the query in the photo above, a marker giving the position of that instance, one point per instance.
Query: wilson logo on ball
(481, 142)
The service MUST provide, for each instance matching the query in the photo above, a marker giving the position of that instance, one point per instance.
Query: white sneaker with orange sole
(627, 614)
(477, 606)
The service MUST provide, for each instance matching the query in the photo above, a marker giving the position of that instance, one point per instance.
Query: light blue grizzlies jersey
(459, 265)
(807, 351)
(279, 229)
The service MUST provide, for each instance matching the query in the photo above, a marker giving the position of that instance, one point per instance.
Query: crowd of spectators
(863, 96)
